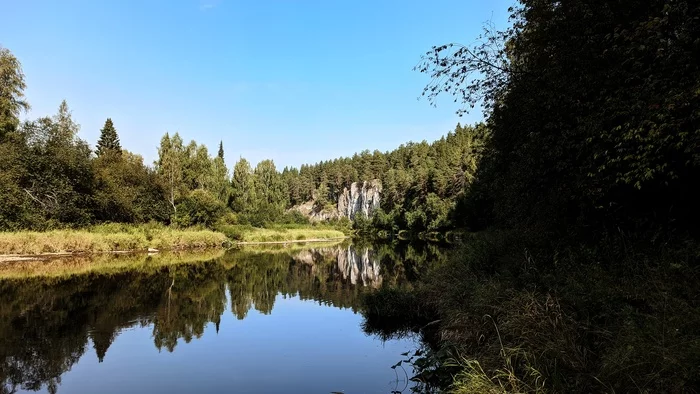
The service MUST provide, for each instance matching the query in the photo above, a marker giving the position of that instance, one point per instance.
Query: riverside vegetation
(579, 264)
(582, 272)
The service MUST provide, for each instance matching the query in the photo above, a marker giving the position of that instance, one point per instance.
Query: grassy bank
(280, 233)
(518, 314)
(108, 237)
(126, 237)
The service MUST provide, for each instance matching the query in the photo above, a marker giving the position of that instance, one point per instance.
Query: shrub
(199, 207)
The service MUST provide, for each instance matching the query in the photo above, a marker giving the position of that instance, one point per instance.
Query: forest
(51, 178)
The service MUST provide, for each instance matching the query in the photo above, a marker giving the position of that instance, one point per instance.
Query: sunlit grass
(108, 237)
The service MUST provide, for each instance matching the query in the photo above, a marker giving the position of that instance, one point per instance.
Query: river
(251, 321)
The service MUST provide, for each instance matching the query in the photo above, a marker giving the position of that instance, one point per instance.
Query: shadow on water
(51, 312)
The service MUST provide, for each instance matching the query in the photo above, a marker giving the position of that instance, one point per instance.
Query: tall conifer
(109, 140)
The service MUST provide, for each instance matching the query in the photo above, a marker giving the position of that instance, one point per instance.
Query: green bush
(199, 207)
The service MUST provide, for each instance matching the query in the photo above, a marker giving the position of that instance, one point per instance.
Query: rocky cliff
(361, 198)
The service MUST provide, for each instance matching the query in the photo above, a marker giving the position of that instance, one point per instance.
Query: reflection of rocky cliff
(359, 199)
(358, 266)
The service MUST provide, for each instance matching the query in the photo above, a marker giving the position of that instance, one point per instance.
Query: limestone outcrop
(360, 198)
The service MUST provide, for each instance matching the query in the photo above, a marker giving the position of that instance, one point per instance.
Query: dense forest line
(52, 178)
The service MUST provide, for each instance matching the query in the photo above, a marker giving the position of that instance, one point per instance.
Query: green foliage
(293, 217)
(126, 190)
(321, 194)
(269, 187)
(220, 154)
(242, 197)
(522, 316)
(199, 207)
(593, 111)
(12, 87)
(421, 182)
(592, 114)
(59, 178)
(170, 167)
(258, 196)
(109, 140)
(362, 225)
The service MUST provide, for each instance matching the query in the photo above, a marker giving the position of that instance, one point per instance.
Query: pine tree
(221, 150)
(109, 140)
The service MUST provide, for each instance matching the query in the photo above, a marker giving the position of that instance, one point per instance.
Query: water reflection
(48, 320)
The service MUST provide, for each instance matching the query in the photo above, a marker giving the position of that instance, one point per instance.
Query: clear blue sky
(294, 81)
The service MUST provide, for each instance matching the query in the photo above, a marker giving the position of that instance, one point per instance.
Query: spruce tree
(221, 150)
(109, 140)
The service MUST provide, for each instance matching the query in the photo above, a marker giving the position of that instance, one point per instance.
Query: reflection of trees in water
(45, 327)
(46, 324)
(195, 297)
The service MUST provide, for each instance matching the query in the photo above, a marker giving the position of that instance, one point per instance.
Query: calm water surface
(243, 322)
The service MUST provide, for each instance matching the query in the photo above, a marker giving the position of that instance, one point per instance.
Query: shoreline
(126, 239)
(26, 257)
(20, 257)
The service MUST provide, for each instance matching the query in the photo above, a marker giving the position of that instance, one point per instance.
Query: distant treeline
(50, 177)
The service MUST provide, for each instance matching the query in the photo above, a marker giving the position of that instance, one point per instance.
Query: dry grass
(110, 237)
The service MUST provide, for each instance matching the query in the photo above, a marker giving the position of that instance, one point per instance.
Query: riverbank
(245, 235)
(510, 312)
(109, 238)
(123, 238)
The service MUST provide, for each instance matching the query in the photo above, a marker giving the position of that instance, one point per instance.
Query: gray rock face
(360, 199)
